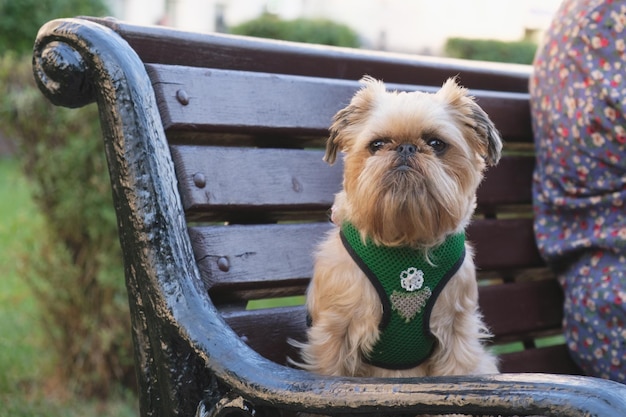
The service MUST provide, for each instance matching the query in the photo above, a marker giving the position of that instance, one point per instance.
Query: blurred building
(415, 26)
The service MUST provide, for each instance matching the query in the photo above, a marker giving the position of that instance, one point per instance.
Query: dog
(394, 291)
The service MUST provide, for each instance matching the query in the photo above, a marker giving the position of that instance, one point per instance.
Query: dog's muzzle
(405, 151)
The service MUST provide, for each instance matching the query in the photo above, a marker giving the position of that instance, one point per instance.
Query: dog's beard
(410, 202)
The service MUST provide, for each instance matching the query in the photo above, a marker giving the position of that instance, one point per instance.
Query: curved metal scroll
(182, 345)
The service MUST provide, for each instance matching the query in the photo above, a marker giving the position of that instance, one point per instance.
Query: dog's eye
(377, 145)
(437, 144)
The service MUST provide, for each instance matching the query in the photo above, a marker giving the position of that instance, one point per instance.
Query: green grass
(17, 307)
(296, 300)
(26, 372)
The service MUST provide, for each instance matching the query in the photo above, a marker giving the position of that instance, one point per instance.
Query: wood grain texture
(241, 101)
(268, 331)
(504, 244)
(552, 359)
(258, 257)
(298, 180)
(176, 47)
(275, 255)
(513, 312)
(257, 179)
(509, 182)
(521, 308)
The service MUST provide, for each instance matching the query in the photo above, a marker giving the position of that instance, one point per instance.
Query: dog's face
(413, 161)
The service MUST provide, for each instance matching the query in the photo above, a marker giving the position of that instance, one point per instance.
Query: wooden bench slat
(266, 179)
(522, 307)
(552, 359)
(220, 101)
(504, 244)
(268, 331)
(155, 44)
(262, 258)
(509, 182)
(510, 310)
(257, 256)
(513, 312)
(295, 179)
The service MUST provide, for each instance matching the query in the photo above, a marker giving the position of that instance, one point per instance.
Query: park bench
(215, 145)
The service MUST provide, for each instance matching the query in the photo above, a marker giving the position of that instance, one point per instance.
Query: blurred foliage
(320, 31)
(519, 52)
(21, 19)
(75, 269)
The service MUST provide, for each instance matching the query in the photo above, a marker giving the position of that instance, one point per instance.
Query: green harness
(408, 286)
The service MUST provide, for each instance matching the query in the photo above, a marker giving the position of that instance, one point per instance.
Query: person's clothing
(578, 100)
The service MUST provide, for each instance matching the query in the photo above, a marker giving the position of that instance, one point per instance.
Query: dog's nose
(406, 149)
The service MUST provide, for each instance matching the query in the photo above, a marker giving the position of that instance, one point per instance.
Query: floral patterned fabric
(578, 103)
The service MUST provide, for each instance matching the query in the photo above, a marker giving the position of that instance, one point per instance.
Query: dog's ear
(348, 118)
(489, 135)
(486, 132)
(334, 142)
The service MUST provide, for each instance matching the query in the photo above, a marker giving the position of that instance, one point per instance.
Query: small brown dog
(394, 290)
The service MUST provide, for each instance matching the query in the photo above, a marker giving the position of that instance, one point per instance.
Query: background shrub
(75, 269)
(21, 19)
(519, 52)
(320, 31)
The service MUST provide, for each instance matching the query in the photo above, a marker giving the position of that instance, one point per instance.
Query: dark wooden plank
(235, 101)
(552, 359)
(521, 308)
(268, 331)
(223, 101)
(254, 258)
(510, 182)
(170, 46)
(502, 244)
(261, 179)
(512, 311)
(292, 179)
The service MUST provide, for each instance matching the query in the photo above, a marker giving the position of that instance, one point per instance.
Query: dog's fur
(398, 200)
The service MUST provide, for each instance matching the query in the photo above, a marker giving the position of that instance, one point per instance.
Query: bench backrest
(247, 150)
(222, 194)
